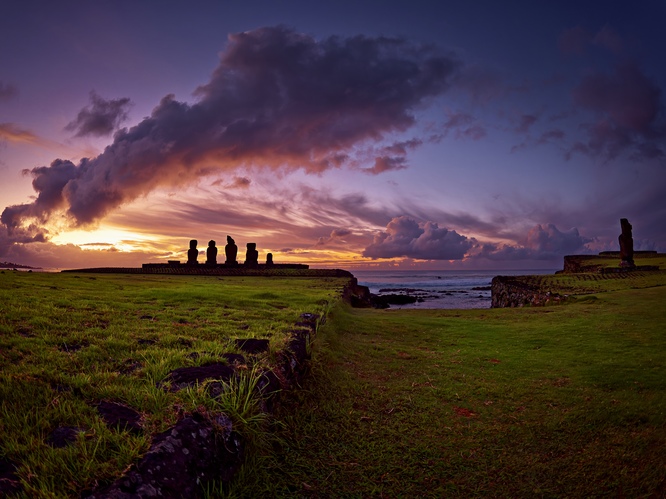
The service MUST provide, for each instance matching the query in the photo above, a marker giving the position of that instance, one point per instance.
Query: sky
(352, 134)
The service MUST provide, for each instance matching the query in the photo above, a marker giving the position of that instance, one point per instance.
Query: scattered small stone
(63, 436)
(253, 346)
(184, 377)
(234, 358)
(197, 450)
(120, 416)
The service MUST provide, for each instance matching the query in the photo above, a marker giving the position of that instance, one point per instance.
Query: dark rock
(184, 377)
(233, 358)
(63, 436)
(9, 480)
(120, 416)
(181, 460)
(384, 301)
(253, 346)
(146, 341)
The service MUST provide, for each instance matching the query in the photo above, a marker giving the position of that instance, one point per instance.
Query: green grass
(562, 401)
(68, 341)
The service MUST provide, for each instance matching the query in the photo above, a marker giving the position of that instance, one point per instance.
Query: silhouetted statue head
(211, 253)
(231, 250)
(192, 253)
(252, 255)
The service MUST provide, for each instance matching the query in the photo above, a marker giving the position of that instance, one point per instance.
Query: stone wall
(511, 291)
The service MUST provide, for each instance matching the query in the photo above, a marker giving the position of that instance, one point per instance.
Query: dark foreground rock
(185, 377)
(198, 449)
(121, 417)
(384, 301)
(63, 436)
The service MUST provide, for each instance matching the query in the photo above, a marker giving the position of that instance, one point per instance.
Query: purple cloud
(405, 237)
(627, 105)
(278, 99)
(101, 117)
(542, 242)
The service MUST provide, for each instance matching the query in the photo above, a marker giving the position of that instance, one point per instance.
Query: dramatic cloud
(101, 117)
(7, 91)
(627, 104)
(335, 235)
(405, 237)
(543, 242)
(278, 99)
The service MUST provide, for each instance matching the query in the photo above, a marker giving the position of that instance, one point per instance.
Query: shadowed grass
(563, 401)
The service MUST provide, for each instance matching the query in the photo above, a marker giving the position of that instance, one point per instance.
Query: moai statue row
(230, 251)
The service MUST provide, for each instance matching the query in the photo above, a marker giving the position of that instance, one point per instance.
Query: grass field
(562, 401)
(69, 341)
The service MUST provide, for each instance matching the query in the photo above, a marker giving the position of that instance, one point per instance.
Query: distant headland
(10, 265)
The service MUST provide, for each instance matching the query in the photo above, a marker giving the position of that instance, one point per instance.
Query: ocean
(438, 288)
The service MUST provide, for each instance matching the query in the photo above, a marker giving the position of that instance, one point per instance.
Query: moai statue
(252, 255)
(269, 259)
(192, 253)
(231, 250)
(211, 253)
(626, 244)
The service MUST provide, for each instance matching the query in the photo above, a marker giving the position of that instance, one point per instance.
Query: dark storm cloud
(278, 99)
(628, 106)
(405, 237)
(543, 242)
(101, 117)
(7, 91)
